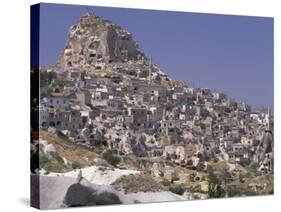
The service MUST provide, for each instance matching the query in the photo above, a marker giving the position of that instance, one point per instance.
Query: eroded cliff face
(93, 42)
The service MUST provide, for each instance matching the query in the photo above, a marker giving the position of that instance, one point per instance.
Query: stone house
(151, 89)
(51, 117)
(84, 97)
(57, 101)
(75, 120)
(139, 117)
(175, 153)
(238, 154)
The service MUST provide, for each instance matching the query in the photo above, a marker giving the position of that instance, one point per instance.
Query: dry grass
(138, 183)
(220, 165)
(266, 183)
(74, 153)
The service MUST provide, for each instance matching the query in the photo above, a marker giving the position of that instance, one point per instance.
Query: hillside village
(104, 94)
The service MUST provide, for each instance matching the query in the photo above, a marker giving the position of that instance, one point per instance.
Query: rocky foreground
(59, 192)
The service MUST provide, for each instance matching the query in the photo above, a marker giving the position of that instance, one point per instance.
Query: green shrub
(43, 160)
(53, 166)
(58, 84)
(46, 173)
(233, 192)
(202, 126)
(46, 78)
(245, 163)
(177, 189)
(76, 166)
(253, 167)
(205, 113)
(45, 92)
(111, 159)
(215, 189)
(227, 177)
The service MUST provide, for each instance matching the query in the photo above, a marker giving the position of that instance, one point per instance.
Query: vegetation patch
(215, 189)
(53, 166)
(111, 158)
(177, 189)
(75, 154)
(138, 183)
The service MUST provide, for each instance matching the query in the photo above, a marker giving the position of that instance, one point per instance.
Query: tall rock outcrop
(94, 42)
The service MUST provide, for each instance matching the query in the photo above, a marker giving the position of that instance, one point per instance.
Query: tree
(46, 78)
(205, 113)
(177, 189)
(45, 92)
(202, 126)
(215, 189)
(111, 159)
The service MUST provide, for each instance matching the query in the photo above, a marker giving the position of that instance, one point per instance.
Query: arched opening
(189, 163)
(52, 124)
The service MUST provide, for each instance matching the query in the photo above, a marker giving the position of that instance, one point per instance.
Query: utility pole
(150, 69)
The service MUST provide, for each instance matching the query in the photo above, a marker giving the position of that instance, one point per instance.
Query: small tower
(268, 120)
(150, 70)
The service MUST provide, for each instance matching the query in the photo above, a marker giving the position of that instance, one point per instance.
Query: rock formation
(92, 42)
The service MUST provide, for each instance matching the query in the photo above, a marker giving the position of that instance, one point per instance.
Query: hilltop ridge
(92, 42)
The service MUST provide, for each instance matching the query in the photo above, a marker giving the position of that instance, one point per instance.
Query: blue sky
(231, 54)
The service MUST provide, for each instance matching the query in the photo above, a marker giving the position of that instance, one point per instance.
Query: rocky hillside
(92, 42)
(118, 78)
(109, 111)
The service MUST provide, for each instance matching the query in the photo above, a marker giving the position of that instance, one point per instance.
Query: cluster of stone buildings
(138, 116)
(117, 99)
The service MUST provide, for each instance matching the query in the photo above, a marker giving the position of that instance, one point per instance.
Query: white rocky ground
(53, 190)
(148, 197)
(98, 175)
